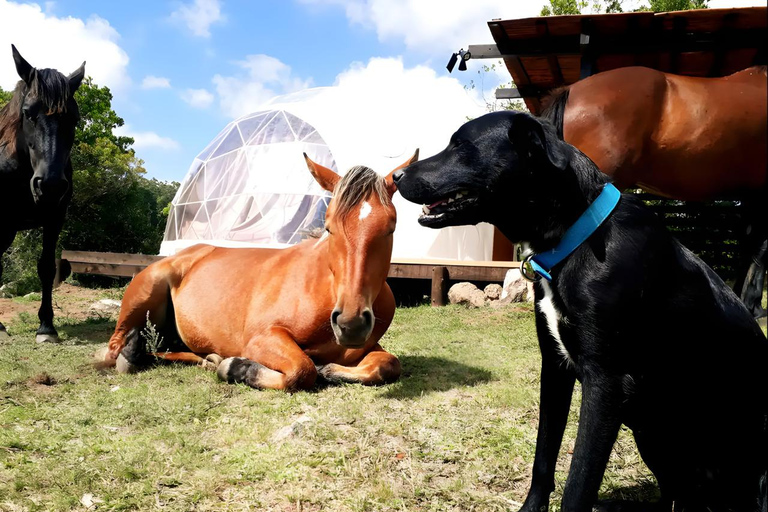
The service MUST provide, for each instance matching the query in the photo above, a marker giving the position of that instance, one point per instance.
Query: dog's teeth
(425, 210)
(450, 200)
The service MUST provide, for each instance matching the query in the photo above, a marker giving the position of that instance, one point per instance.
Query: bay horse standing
(278, 317)
(37, 129)
(680, 137)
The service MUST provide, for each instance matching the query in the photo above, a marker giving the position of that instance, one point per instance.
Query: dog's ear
(537, 141)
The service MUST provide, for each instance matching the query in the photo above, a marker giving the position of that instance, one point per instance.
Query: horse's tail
(554, 108)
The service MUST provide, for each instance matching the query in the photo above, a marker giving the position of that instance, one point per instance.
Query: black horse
(37, 129)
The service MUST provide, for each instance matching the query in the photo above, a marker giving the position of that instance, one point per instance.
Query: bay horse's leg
(6, 239)
(375, 368)
(209, 361)
(145, 299)
(273, 361)
(46, 271)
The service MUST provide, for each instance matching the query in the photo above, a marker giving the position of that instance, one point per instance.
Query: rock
(476, 298)
(293, 429)
(106, 307)
(515, 286)
(460, 292)
(529, 288)
(493, 291)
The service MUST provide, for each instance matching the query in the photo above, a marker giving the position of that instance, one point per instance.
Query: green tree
(560, 7)
(5, 97)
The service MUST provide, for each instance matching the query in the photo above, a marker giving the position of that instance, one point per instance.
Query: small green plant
(152, 337)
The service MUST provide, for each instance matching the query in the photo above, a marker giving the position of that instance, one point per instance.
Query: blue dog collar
(589, 221)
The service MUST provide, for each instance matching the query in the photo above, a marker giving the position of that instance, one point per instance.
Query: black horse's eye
(27, 113)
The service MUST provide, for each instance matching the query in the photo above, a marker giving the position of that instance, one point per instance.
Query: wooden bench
(440, 272)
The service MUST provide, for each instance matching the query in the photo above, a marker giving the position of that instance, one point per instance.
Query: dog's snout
(397, 175)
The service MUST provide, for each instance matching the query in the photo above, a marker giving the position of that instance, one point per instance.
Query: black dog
(657, 340)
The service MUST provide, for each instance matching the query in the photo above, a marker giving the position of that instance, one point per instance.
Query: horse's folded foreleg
(273, 361)
(375, 368)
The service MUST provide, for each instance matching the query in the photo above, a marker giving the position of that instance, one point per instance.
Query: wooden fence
(440, 272)
(710, 229)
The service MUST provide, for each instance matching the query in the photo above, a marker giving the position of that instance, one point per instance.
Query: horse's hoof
(215, 359)
(123, 366)
(47, 338)
(211, 362)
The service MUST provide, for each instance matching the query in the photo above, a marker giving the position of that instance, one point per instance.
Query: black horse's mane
(49, 86)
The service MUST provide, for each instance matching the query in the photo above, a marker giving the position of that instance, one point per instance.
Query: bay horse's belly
(234, 295)
(682, 137)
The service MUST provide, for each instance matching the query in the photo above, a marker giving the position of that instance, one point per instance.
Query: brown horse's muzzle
(352, 330)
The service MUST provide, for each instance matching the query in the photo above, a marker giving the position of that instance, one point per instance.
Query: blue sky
(180, 70)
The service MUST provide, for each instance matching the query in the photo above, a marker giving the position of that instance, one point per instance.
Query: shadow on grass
(88, 332)
(640, 497)
(423, 374)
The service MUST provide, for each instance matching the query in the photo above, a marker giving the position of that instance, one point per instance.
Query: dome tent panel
(257, 194)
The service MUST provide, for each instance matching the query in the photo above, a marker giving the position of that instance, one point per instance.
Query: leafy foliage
(562, 7)
(114, 207)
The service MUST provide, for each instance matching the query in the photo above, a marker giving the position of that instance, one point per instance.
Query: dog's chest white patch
(365, 210)
(553, 318)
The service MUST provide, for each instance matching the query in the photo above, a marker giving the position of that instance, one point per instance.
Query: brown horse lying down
(278, 317)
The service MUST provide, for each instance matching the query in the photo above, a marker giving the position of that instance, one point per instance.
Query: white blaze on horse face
(365, 210)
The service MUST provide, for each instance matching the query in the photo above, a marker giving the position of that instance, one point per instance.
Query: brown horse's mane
(356, 186)
(50, 86)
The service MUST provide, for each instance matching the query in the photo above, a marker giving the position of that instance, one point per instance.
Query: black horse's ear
(534, 141)
(23, 68)
(76, 78)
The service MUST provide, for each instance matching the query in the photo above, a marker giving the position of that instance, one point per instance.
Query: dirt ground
(68, 300)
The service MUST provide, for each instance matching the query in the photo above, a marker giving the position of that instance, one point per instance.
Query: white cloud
(262, 77)
(197, 98)
(155, 82)
(432, 26)
(199, 16)
(147, 140)
(47, 41)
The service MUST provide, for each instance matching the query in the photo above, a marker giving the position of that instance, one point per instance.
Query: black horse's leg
(6, 239)
(751, 276)
(752, 291)
(46, 270)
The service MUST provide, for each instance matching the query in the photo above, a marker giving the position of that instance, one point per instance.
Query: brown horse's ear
(23, 68)
(325, 177)
(391, 187)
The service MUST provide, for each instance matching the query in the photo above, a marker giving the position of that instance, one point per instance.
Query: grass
(457, 432)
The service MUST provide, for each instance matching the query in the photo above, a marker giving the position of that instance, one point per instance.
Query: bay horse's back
(683, 137)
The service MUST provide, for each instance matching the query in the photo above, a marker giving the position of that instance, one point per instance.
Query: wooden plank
(107, 269)
(109, 257)
(439, 286)
(477, 273)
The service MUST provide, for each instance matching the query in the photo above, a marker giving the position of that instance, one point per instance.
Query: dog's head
(496, 168)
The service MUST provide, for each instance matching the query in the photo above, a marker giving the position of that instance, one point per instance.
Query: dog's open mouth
(442, 211)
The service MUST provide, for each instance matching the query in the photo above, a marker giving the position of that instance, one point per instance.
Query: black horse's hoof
(47, 338)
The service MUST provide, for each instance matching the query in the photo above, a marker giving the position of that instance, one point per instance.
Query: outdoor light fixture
(464, 55)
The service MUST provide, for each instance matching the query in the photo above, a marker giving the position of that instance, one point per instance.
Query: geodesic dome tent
(250, 187)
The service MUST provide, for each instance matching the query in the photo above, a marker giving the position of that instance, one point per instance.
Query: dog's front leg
(599, 423)
(555, 402)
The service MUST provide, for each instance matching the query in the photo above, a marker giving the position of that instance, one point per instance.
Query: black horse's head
(48, 116)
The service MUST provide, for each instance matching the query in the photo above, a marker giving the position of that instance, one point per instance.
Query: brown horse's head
(359, 224)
